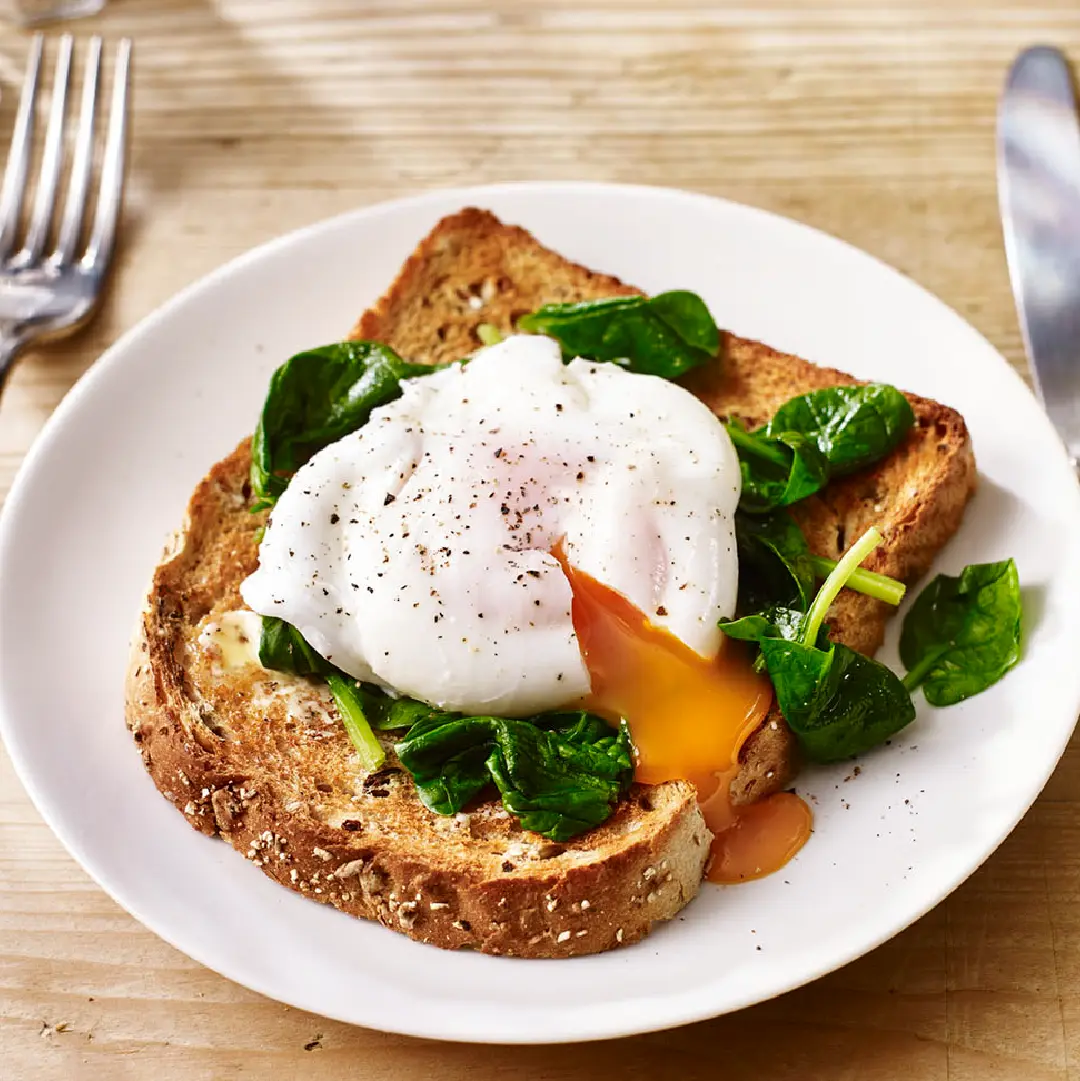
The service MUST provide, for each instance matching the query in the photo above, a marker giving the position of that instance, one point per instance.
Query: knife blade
(1038, 142)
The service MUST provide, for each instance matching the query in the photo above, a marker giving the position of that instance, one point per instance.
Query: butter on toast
(260, 758)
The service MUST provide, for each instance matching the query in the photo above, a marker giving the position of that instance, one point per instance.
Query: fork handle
(11, 345)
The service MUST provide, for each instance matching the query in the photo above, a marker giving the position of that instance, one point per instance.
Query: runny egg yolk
(688, 718)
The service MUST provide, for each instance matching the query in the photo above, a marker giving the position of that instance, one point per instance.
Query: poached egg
(418, 552)
(515, 535)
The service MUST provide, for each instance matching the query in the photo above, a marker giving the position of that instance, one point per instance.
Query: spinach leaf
(851, 426)
(316, 398)
(775, 564)
(561, 774)
(665, 335)
(836, 701)
(777, 568)
(387, 713)
(774, 622)
(817, 436)
(962, 634)
(776, 470)
(282, 648)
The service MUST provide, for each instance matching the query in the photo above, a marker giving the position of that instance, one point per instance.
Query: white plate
(109, 477)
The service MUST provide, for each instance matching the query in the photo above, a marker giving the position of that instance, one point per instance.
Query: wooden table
(871, 120)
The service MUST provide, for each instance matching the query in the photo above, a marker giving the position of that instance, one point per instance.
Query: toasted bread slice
(260, 758)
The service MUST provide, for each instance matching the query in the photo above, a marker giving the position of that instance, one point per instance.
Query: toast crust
(259, 758)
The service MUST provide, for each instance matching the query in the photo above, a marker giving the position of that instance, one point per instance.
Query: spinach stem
(836, 581)
(743, 440)
(356, 724)
(879, 586)
(922, 669)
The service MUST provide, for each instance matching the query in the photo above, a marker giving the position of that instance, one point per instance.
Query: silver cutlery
(43, 295)
(1038, 137)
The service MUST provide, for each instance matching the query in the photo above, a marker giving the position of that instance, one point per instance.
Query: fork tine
(51, 160)
(18, 163)
(74, 207)
(111, 191)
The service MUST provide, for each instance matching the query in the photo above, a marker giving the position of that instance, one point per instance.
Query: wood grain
(871, 120)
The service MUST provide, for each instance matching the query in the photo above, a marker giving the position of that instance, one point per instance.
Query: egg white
(416, 552)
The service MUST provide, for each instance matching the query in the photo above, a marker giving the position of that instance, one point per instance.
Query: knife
(1038, 143)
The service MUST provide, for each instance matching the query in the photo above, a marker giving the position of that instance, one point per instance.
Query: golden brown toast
(260, 758)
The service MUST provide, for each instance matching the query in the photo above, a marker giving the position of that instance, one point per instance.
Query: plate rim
(10, 515)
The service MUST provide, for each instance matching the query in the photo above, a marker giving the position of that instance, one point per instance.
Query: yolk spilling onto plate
(688, 718)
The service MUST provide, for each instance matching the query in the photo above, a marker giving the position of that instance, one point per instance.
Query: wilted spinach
(776, 470)
(560, 773)
(316, 398)
(836, 701)
(814, 437)
(777, 568)
(772, 622)
(666, 335)
(775, 564)
(962, 634)
(851, 426)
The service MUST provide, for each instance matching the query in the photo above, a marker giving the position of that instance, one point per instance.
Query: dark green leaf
(814, 437)
(776, 470)
(851, 426)
(560, 773)
(775, 565)
(774, 622)
(963, 634)
(389, 713)
(836, 701)
(316, 398)
(447, 757)
(282, 648)
(665, 335)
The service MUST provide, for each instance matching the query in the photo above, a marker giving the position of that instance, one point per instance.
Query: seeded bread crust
(261, 760)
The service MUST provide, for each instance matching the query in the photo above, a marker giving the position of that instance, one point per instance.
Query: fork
(42, 296)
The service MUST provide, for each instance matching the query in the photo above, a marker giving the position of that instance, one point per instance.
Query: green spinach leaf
(316, 398)
(773, 622)
(777, 568)
(851, 426)
(775, 564)
(666, 335)
(962, 634)
(282, 648)
(561, 774)
(817, 436)
(836, 701)
(776, 470)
